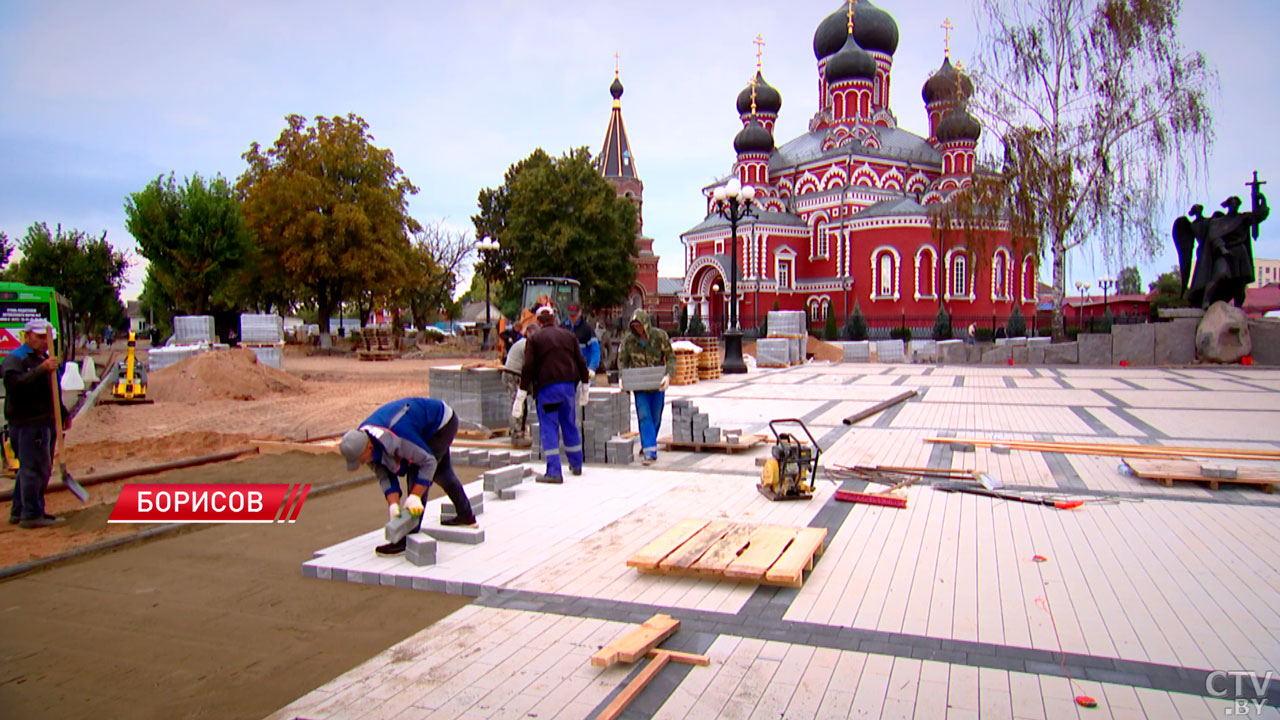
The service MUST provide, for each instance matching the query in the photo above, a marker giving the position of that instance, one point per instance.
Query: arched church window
(959, 276)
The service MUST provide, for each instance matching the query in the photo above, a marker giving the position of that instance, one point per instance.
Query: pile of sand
(824, 351)
(222, 374)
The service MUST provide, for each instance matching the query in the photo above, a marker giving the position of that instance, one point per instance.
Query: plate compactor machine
(792, 469)
(131, 381)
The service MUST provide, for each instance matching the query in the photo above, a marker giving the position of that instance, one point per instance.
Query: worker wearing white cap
(556, 372)
(28, 408)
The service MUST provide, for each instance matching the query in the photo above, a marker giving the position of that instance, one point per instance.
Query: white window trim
(968, 272)
(1026, 271)
(1001, 294)
(875, 273)
(933, 281)
(816, 232)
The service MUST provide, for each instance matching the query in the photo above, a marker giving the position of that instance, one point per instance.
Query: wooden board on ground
(1166, 471)
(766, 554)
(744, 442)
(312, 447)
(377, 354)
(637, 643)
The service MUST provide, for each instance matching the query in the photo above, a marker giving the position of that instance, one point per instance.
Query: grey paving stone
(308, 571)
(467, 536)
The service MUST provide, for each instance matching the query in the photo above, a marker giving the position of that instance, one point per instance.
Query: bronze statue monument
(1223, 247)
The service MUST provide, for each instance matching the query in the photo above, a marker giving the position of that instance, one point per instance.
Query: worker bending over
(409, 438)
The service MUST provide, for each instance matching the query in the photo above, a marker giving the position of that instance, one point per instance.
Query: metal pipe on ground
(148, 470)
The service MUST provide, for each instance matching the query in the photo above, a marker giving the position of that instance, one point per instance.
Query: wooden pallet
(1167, 471)
(744, 442)
(714, 549)
(377, 355)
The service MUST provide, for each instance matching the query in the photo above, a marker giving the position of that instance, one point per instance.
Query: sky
(98, 99)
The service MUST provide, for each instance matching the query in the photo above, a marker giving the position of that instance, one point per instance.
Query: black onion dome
(873, 28)
(958, 125)
(616, 88)
(753, 138)
(851, 63)
(946, 83)
(768, 99)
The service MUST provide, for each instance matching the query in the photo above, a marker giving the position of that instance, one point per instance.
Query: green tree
(560, 217)
(195, 241)
(855, 326)
(6, 250)
(330, 212)
(1016, 326)
(1167, 291)
(89, 272)
(696, 327)
(829, 331)
(1129, 281)
(435, 258)
(942, 324)
(683, 325)
(1099, 111)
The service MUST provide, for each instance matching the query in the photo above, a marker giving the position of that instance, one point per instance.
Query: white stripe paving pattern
(1180, 579)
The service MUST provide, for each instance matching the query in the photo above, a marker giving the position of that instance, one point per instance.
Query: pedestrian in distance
(409, 438)
(517, 427)
(508, 337)
(648, 346)
(28, 408)
(555, 371)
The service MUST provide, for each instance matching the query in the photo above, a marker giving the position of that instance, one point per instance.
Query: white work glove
(517, 407)
(584, 394)
(413, 504)
(591, 376)
(664, 383)
(393, 510)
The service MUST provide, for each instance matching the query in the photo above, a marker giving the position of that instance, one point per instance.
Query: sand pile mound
(824, 351)
(221, 374)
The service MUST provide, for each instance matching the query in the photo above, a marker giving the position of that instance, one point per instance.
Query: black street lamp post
(486, 246)
(734, 202)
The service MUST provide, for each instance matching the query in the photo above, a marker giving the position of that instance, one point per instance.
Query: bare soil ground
(215, 622)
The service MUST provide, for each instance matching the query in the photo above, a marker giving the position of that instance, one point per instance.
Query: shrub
(983, 334)
(942, 325)
(1107, 321)
(830, 330)
(1017, 324)
(683, 327)
(900, 333)
(431, 335)
(696, 328)
(855, 326)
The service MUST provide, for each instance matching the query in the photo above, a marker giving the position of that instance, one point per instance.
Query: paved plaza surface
(1143, 600)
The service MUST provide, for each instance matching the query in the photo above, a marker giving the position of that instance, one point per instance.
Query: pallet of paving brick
(773, 352)
(719, 550)
(744, 442)
(1167, 471)
(686, 368)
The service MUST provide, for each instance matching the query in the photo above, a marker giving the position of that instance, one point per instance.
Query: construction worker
(508, 335)
(409, 437)
(648, 346)
(586, 336)
(556, 372)
(511, 369)
(28, 408)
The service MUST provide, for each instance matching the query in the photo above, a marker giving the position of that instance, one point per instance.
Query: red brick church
(842, 211)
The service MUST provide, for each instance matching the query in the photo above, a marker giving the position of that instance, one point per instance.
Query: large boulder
(1223, 334)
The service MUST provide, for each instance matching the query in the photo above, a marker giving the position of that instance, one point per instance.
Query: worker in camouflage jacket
(648, 346)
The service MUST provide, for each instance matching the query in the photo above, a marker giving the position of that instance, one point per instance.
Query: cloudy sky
(100, 98)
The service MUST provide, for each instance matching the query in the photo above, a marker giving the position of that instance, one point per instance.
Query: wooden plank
(1190, 470)
(637, 643)
(653, 553)
(798, 557)
(745, 442)
(633, 688)
(718, 557)
(880, 407)
(767, 545)
(1118, 449)
(694, 548)
(683, 658)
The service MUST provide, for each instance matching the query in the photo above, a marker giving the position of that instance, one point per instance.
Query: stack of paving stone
(773, 352)
(890, 351)
(487, 458)
(476, 395)
(606, 416)
(857, 351)
(193, 330)
(503, 480)
(786, 323)
(264, 335)
(922, 351)
(690, 426)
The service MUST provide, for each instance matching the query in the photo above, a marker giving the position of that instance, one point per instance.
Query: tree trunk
(324, 306)
(1059, 287)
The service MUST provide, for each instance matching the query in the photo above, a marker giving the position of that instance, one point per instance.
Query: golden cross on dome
(851, 4)
(948, 26)
(759, 41)
(753, 96)
(617, 64)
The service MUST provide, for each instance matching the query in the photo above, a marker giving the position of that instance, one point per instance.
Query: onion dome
(851, 63)
(616, 88)
(873, 28)
(768, 99)
(958, 125)
(753, 138)
(946, 84)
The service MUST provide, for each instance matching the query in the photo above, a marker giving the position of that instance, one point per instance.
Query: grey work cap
(352, 446)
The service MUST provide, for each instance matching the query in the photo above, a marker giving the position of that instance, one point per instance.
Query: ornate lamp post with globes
(734, 202)
(487, 246)
(1106, 284)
